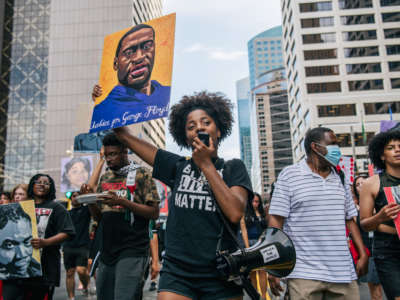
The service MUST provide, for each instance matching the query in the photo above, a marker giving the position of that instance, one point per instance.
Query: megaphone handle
(249, 288)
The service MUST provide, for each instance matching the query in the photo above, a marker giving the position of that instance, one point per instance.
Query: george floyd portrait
(18, 259)
(135, 75)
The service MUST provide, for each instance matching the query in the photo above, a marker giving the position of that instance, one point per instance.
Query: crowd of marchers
(343, 234)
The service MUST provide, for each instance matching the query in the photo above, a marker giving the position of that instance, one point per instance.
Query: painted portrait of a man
(137, 95)
(16, 251)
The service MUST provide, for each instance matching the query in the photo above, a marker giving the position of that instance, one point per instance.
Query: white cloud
(227, 55)
(195, 48)
(215, 53)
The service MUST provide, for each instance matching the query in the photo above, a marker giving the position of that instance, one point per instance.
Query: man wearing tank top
(377, 214)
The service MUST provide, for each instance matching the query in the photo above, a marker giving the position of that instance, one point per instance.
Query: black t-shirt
(80, 217)
(52, 218)
(193, 224)
(125, 234)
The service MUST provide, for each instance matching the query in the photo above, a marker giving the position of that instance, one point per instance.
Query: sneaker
(153, 286)
(85, 292)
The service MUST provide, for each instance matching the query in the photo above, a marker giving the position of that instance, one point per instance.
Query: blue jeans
(121, 281)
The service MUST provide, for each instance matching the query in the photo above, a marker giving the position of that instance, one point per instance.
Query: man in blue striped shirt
(313, 207)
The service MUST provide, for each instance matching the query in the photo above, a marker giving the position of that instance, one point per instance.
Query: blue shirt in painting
(124, 106)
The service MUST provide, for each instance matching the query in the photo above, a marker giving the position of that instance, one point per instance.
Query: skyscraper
(343, 64)
(243, 97)
(265, 53)
(50, 61)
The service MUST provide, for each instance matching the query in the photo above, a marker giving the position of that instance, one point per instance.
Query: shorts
(198, 288)
(387, 263)
(75, 257)
(372, 275)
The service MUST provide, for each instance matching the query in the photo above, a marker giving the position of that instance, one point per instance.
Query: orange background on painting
(164, 28)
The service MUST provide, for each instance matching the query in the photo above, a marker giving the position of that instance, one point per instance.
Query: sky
(211, 50)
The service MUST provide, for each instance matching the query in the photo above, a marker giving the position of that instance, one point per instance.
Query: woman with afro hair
(199, 183)
(384, 152)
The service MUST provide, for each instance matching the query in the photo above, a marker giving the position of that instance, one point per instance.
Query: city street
(61, 294)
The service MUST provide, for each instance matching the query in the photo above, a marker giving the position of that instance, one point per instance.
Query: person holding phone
(199, 183)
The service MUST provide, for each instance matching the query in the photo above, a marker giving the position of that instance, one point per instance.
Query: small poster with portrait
(75, 171)
(135, 75)
(393, 196)
(18, 259)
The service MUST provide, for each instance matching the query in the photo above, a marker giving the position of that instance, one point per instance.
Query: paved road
(61, 294)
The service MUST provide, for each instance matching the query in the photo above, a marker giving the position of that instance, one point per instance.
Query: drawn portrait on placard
(18, 259)
(135, 75)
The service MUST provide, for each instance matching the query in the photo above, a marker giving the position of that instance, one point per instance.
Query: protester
(5, 197)
(76, 172)
(198, 184)
(375, 288)
(54, 227)
(313, 205)
(252, 226)
(19, 193)
(124, 214)
(384, 152)
(76, 250)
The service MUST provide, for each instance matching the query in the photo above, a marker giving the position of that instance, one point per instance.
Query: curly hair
(111, 140)
(216, 105)
(52, 192)
(378, 144)
(13, 212)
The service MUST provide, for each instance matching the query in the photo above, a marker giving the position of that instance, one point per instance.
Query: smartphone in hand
(204, 137)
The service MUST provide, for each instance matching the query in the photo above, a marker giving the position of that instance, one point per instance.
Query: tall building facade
(265, 53)
(50, 61)
(343, 63)
(271, 137)
(243, 105)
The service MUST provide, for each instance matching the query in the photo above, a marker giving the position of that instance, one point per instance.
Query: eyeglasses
(145, 46)
(42, 183)
(111, 155)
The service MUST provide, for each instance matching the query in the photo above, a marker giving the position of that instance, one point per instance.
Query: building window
(395, 83)
(357, 19)
(320, 54)
(344, 139)
(359, 35)
(363, 68)
(336, 110)
(392, 49)
(361, 51)
(379, 108)
(317, 22)
(323, 87)
(392, 33)
(390, 2)
(394, 66)
(365, 85)
(297, 95)
(319, 38)
(350, 4)
(317, 6)
(391, 17)
(322, 70)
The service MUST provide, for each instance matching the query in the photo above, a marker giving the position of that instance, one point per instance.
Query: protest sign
(393, 196)
(75, 172)
(135, 75)
(18, 259)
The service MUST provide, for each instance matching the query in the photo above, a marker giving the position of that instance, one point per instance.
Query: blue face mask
(333, 156)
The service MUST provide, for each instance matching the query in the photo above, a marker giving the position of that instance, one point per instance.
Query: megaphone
(273, 252)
